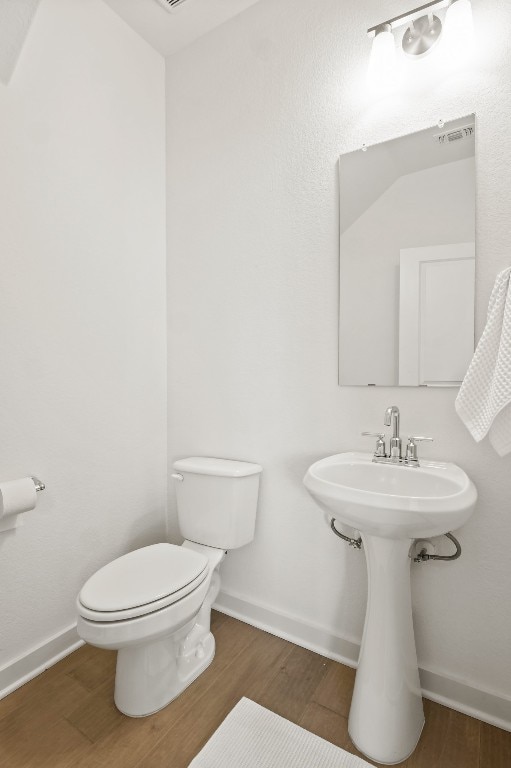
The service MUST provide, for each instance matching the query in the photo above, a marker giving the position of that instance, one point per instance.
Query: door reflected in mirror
(407, 259)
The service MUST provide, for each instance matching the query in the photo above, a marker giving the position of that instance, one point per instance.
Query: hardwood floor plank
(73, 660)
(134, 737)
(43, 682)
(448, 739)
(333, 727)
(37, 744)
(289, 692)
(336, 688)
(248, 676)
(326, 723)
(65, 718)
(463, 743)
(97, 716)
(95, 669)
(217, 619)
(495, 747)
(46, 699)
(342, 739)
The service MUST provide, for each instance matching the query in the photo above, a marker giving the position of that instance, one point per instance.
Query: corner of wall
(15, 23)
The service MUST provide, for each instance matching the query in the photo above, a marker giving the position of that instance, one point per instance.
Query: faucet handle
(379, 450)
(411, 448)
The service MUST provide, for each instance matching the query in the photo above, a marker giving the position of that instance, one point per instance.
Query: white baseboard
(488, 706)
(19, 671)
(484, 705)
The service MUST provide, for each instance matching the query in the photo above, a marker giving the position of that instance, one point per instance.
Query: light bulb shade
(381, 72)
(459, 28)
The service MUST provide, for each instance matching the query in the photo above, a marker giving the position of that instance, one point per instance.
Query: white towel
(253, 737)
(484, 399)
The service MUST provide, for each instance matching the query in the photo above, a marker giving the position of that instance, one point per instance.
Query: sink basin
(390, 505)
(389, 500)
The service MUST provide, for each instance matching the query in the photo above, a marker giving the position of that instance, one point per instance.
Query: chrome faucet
(392, 418)
(394, 455)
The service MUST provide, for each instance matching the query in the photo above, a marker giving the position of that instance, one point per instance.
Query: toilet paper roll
(17, 496)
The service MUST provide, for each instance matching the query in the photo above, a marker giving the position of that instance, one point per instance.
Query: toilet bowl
(162, 642)
(153, 605)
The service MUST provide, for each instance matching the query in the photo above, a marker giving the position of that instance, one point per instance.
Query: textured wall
(258, 112)
(82, 309)
(15, 20)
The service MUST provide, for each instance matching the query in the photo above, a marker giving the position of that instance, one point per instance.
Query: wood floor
(66, 718)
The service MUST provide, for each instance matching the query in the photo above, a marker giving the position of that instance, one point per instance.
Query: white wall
(258, 113)
(15, 21)
(82, 309)
(435, 206)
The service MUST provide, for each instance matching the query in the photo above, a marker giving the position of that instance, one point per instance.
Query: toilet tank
(217, 500)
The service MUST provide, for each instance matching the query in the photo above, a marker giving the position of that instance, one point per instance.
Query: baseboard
(307, 635)
(488, 706)
(19, 671)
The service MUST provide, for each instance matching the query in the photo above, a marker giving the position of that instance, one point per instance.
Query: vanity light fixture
(459, 26)
(382, 62)
(423, 29)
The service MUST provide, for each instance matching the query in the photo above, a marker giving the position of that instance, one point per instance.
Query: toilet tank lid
(202, 465)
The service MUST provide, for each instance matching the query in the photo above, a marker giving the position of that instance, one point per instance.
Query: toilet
(153, 605)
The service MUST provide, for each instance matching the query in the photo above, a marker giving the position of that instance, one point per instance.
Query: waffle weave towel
(484, 399)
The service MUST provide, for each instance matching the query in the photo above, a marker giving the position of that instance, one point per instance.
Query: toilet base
(150, 676)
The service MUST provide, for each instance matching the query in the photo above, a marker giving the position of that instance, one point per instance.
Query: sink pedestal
(386, 715)
(391, 505)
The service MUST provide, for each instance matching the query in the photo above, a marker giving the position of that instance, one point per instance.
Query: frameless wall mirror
(407, 259)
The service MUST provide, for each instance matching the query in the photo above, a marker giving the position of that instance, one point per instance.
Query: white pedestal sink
(391, 505)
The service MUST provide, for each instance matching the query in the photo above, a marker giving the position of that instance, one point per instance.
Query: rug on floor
(253, 737)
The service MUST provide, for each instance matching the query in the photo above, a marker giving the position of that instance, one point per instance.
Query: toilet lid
(141, 577)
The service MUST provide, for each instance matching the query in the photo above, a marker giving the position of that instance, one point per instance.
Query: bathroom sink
(390, 504)
(389, 500)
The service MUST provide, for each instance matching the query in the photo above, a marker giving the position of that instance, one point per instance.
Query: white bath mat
(253, 737)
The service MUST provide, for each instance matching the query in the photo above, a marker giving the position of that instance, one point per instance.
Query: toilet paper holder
(39, 485)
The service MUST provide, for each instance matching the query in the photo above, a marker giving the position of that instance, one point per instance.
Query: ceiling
(169, 32)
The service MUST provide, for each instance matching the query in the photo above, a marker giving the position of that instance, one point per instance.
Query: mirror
(407, 259)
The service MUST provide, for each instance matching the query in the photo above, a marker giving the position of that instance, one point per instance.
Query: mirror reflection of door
(412, 194)
(436, 314)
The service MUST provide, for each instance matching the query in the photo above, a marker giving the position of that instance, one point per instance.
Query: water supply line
(422, 557)
(355, 543)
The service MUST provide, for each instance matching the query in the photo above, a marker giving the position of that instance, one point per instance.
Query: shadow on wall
(15, 22)
(146, 530)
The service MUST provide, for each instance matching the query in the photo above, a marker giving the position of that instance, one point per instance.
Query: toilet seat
(142, 582)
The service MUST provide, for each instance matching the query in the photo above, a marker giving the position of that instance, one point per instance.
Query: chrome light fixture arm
(409, 16)
(423, 27)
